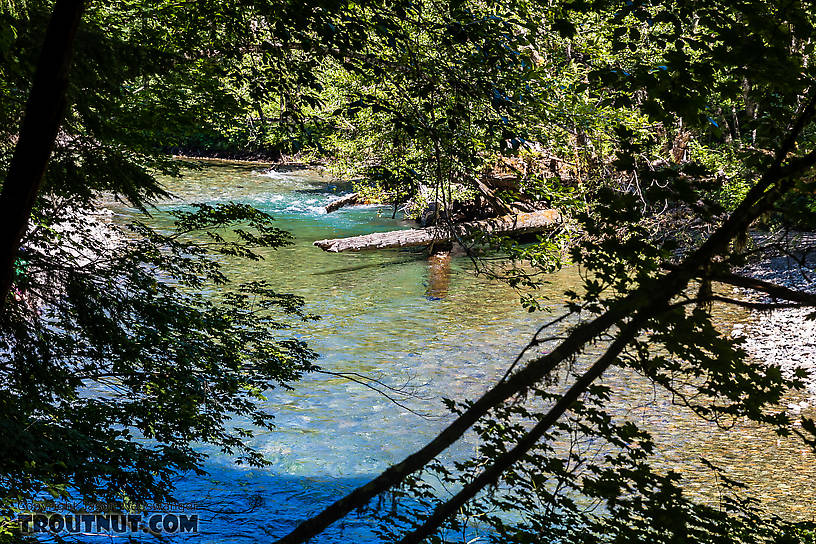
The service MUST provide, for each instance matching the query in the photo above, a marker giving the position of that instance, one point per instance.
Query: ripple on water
(331, 435)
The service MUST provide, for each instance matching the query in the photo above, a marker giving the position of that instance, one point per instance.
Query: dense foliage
(114, 336)
(645, 122)
(124, 345)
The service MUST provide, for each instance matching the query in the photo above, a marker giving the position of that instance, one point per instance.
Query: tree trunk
(508, 224)
(43, 115)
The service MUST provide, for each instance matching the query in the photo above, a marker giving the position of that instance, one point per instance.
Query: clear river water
(382, 315)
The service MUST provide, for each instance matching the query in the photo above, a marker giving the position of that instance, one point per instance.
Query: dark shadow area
(244, 505)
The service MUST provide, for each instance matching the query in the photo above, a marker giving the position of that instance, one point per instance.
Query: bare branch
(389, 392)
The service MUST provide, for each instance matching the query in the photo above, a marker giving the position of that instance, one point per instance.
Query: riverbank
(785, 336)
(280, 162)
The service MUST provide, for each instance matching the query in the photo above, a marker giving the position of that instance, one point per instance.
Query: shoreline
(785, 336)
(270, 159)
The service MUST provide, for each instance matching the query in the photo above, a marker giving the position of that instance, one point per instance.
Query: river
(382, 316)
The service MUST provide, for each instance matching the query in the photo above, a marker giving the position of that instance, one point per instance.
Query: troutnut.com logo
(157, 524)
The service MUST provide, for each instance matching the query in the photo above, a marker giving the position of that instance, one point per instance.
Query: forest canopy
(664, 133)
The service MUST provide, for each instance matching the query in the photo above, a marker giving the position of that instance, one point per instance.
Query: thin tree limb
(492, 473)
(652, 296)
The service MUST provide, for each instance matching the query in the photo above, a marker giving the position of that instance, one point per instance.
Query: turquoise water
(382, 316)
(387, 315)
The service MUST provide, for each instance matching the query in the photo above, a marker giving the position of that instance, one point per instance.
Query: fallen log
(348, 200)
(508, 224)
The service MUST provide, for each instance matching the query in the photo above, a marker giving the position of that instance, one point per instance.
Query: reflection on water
(391, 314)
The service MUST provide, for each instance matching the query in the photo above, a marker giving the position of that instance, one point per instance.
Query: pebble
(785, 336)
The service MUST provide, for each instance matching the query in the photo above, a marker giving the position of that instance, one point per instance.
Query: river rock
(785, 337)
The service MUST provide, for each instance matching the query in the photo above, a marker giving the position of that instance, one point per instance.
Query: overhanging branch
(648, 300)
